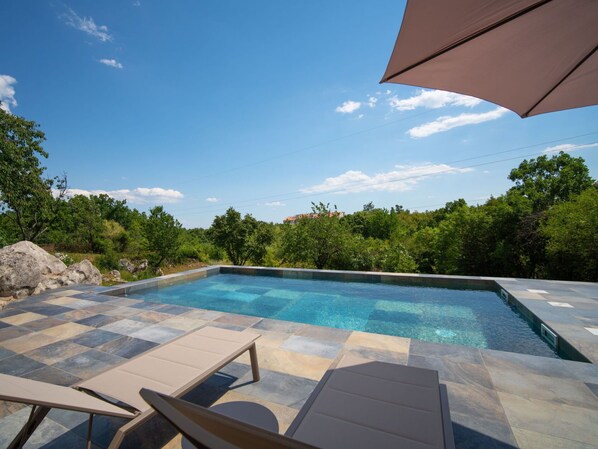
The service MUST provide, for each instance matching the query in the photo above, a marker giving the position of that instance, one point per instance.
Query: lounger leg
(35, 419)
(255, 369)
(89, 426)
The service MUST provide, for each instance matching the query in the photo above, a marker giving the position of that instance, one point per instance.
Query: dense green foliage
(26, 197)
(242, 239)
(162, 233)
(545, 226)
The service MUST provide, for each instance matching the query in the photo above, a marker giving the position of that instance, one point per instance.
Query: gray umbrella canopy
(529, 56)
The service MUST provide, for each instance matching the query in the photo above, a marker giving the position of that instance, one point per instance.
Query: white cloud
(568, 147)
(348, 107)
(275, 204)
(87, 25)
(372, 101)
(139, 195)
(405, 177)
(432, 99)
(111, 63)
(212, 199)
(447, 122)
(137, 3)
(7, 92)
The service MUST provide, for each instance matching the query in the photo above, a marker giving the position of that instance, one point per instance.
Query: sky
(265, 106)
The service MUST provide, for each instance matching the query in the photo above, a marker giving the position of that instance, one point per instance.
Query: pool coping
(570, 324)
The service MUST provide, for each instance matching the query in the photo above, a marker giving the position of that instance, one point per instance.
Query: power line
(347, 187)
(307, 148)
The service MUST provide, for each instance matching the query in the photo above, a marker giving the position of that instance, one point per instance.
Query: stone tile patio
(497, 399)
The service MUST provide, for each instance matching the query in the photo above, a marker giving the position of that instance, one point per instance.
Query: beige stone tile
(65, 331)
(270, 339)
(61, 301)
(527, 439)
(76, 315)
(284, 415)
(28, 342)
(8, 408)
(123, 312)
(22, 318)
(551, 419)
(288, 362)
(238, 320)
(377, 341)
(150, 316)
(54, 353)
(182, 323)
(525, 384)
(524, 294)
(69, 292)
(202, 314)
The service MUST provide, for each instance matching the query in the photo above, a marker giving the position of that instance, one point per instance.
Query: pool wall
(564, 348)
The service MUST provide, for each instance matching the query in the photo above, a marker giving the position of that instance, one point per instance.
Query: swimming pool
(477, 318)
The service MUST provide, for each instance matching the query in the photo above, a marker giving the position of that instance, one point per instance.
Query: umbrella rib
(469, 38)
(569, 73)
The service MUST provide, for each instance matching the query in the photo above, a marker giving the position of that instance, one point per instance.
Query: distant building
(293, 219)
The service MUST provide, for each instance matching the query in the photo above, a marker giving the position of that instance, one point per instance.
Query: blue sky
(265, 106)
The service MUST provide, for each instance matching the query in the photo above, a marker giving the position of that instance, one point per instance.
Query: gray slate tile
(306, 345)
(55, 352)
(18, 365)
(89, 363)
(94, 338)
(53, 375)
(126, 346)
(97, 320)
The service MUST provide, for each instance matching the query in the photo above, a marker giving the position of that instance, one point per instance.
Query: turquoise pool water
(466, 317)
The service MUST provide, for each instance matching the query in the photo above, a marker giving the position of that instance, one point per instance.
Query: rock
(26, 269)
(133, 267)
(127, 265)
(112, 276)
(22, 267)
(159, 272)
(81, 273)
(143, 264)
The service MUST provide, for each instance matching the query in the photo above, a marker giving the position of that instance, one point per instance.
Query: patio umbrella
(529, 56)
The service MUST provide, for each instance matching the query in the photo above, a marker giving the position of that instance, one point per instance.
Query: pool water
(475, 318)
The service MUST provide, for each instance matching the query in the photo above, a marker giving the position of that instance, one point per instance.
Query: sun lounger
(173, 368)
(359, 403)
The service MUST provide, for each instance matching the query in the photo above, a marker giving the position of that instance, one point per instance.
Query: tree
(317, 238)
(25, 196)
(546, 182)
(162, 232)
(571, 229)
(88, 224)
(372, 222)
(465, 242)
(242, 239)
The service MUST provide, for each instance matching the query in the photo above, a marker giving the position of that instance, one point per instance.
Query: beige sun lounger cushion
(364, 403)
(26, 391)
(171, 368)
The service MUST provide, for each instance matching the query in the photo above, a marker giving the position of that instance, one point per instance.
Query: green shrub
(108, 261)
(189, 251)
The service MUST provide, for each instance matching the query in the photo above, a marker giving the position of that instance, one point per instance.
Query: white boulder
(27, 269)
